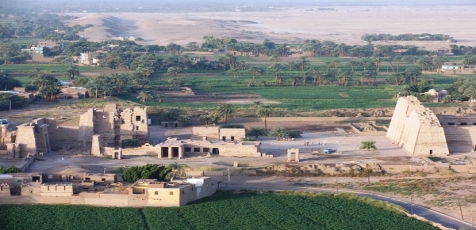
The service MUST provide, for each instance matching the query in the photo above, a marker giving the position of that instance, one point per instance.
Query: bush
(130, 143)
(148, 171)
(11, 169)
(294, 133)
(232, 126)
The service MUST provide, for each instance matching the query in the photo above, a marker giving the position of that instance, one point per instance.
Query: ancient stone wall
(417, 129)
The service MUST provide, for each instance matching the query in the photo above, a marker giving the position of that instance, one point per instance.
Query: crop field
(224, 210)
(25, 68)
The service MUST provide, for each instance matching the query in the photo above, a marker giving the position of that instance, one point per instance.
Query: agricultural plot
(224, 210)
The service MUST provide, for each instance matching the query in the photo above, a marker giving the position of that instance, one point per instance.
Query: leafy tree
(232, 126)
(173, 71)
(16, 101)
(48, 87)
(129, 143)
(176, 82)
(7, 82)
(278, 133)
(368, 145)
(169, 116)
(11, 169)
(149, 171)
(294, 133)
(225, 110)
(256, 132)
(72, 72)
(183, 119)
(8, 50)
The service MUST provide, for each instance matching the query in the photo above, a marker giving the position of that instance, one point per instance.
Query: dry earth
(347, 24)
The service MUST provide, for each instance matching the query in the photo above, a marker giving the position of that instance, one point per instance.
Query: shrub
(232, 126)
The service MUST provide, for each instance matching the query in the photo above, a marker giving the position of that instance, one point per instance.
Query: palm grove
(145, 63)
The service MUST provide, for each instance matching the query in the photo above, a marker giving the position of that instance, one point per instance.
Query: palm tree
(254, 71)
(160, 98)
(145, 96)
(225, 110)
(72, 72)
(278, 133)
(303, 62)
(177, 170)
(275, 59)
(36, 73)
(257, 105)
(256, 132)
(264, 111)
(368, 145)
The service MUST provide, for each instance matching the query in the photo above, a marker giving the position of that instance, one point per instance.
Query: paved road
(437, 217)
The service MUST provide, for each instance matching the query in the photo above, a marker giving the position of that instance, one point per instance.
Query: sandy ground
(347, 24)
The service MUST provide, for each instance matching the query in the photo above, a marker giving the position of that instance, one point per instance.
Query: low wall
(375, 133)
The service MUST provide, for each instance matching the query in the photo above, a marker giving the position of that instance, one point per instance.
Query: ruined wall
(241, 149)
(134, 124)
(237, 134)
(26, 139)
(85, 129)
(210, 132)
(461, 139)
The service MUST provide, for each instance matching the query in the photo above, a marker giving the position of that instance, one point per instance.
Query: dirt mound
(104, 27)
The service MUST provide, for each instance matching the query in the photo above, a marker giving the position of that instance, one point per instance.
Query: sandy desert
(344, 25)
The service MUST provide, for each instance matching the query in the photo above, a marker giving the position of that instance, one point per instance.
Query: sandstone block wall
(417, 129)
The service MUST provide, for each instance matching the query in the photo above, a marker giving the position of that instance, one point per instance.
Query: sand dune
(347, 24)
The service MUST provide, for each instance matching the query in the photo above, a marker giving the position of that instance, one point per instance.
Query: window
(156, 193)
(232, 138)
(171, 193)
(196, 150)
(137, 118)
(188, 149)
(137, 127)
(206, 150)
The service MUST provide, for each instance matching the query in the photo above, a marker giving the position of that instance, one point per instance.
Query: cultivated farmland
(224, 210)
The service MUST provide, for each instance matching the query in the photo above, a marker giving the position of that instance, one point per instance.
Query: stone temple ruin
(101, 132)
(419, 131)
(36, 137)
(110, 126)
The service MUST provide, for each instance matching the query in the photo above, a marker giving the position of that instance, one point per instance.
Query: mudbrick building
(101, 190)
(421, 132)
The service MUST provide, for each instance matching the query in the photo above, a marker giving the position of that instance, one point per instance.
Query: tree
(256, 132)
(278, 133)
(145, 96)
(15, 100)
(264, 111)
(176, 82)
(11, 169)
(72, 72)
(177, 169)
(173, 71)
(368, 145)
(303, 62)
(7, 82)
(225, 110)
(294, 133)
(8, 50)
(149, 171)
(48, 87)
(413, 73)
(184, 119)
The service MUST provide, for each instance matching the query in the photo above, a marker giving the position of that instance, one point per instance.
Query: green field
(224, 210)
(46, 68)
